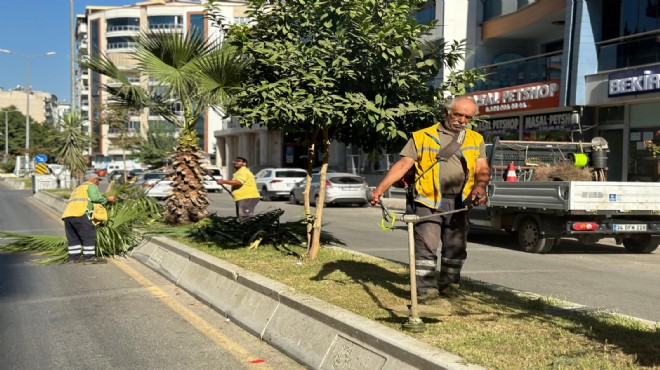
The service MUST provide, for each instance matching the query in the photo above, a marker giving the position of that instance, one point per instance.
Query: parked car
(278, 182)
(211, 180)
(116, 175)
(134, 173)
(160, 190)
(149, 178)
(340, 188)
(211, 184)
(213, 171)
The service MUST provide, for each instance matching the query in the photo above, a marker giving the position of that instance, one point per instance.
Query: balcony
(539, 68)
(524, 20)
(165, 23)
(166, 27)
(122, 30)
(629, 51)
(496, 8)
(83, 46)
(122, 46)
(115, 134)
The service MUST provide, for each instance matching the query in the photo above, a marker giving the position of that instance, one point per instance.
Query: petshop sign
(518, 98)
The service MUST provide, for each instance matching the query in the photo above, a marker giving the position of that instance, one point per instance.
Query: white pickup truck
(541, 213)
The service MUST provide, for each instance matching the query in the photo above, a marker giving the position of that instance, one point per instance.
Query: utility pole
(73, 57)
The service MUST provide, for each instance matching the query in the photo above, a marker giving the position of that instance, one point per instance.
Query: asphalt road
(601, 276)
(120, 315)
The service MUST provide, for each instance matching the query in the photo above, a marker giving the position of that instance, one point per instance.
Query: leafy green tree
(197, 74)
(71, 143)
(15, 130)
(117, 117)
(160, 144)
(355, 71)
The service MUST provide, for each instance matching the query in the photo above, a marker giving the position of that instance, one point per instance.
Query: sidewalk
(313, 332)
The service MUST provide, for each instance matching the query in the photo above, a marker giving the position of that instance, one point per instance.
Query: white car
(213, 174)
(211, 185)
(163, 188)
(160, 190)
(278, 182)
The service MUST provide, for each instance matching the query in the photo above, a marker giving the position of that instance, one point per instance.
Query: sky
(36, 27)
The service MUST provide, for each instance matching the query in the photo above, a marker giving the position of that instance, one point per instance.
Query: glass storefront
(644, 127)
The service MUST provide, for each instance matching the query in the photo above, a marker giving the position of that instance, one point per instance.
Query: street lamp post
(28, 89)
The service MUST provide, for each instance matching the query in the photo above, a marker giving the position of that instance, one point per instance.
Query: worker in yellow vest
(451, 171)
(78, 226)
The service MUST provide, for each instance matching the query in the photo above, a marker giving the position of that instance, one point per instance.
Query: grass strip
(497, 329)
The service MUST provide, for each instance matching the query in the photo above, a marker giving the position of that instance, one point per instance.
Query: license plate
(629, 227)
(346, 188)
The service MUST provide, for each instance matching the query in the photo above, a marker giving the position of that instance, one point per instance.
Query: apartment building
(568, 70)
(43, 105)
(111, 31)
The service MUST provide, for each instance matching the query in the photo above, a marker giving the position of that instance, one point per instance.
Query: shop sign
(552, 126)
(634, 81)
(518, 98)
(504, 128)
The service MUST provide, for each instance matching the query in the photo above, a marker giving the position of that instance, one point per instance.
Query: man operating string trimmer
(450, 171)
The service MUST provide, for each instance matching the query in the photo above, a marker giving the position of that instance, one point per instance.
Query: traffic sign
(40, 158)
(41, 168)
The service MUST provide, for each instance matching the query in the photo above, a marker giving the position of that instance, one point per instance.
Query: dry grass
(564, 171)
(496, 329)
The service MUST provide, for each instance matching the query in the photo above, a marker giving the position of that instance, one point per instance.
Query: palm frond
(229, 232)
(113, 237)
(126, 93)
(220, 74)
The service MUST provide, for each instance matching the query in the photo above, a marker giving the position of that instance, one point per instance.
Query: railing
(629, 51)
(166, 26)
(123, 28)
(493, 9)
(122, 45)
(539, 68)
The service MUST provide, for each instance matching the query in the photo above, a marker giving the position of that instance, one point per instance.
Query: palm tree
(184, 69)
(72, 143)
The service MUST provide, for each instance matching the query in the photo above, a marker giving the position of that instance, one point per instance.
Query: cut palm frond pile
(263, 228)
(562, 171)
(114, 237)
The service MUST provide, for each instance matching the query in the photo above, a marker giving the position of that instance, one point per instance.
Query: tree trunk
(189, 200)
(311, 152)
(313, 249)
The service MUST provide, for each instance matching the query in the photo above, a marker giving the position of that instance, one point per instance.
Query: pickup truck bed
(541, 213)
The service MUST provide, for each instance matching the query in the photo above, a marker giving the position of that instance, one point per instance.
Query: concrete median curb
(313, 332)
(309, 330)
(14, 184)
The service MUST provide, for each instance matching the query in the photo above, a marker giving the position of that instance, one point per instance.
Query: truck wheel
(641, 244)
(264, 195)
(530, 238)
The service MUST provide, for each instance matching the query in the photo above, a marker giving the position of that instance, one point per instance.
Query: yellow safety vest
(428, 146)
(78, 202)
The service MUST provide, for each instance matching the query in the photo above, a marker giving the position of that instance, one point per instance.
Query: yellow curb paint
(236, 350)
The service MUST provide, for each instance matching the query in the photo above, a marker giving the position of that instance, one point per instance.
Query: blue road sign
(40, 158)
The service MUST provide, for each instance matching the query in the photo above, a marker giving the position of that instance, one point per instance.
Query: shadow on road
(504, 240)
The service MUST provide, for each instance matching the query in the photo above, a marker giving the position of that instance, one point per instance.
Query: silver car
(278, 182)
(340, 188)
